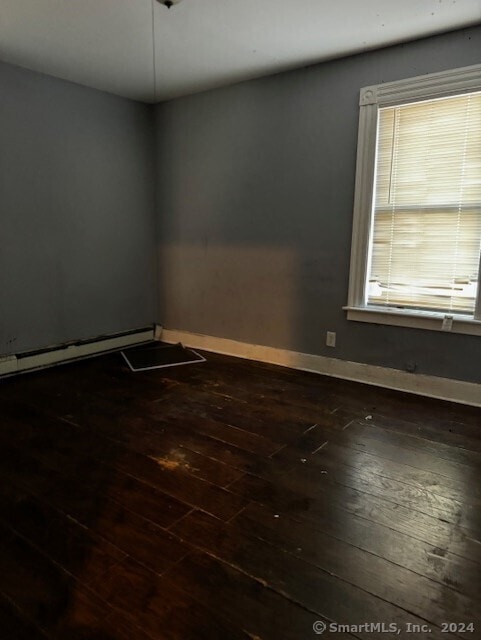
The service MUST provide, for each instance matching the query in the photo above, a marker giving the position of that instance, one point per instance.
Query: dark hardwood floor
(234, 500)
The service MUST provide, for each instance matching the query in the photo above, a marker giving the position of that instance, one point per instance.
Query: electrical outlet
(331, 339)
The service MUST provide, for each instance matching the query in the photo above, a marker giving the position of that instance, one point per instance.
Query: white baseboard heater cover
(40, 359)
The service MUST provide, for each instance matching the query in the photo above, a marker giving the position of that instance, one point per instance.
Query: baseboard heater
(41, 358)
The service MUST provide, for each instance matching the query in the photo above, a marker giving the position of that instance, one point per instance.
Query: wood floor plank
(340, 453)
(247, 604)
(438, 457)
(64, 454)
(257, 420)
(412, 453)
(161, 608)
(225, 433)
(413, 592)
(328, 471)
(124, 427)
(131, 533)
(272, 406)
(429, 414)
(167, 436)
(232, 499)
(90, 618)
(39, 588)
(293, 534)
(156, 440)
(302, 582)
(14, 626)
(50, 602)
(453, 440)
(429, 529)
(126, 530)
(65, 541)
(173, 476)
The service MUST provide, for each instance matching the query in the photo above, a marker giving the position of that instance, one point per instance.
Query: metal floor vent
(159, 356)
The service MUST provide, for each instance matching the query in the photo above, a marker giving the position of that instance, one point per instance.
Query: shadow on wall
(254, 231)
(255, 190)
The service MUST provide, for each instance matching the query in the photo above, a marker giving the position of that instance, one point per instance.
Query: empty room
(240, 319)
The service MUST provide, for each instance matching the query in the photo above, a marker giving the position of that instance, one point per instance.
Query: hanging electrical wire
(154, 69)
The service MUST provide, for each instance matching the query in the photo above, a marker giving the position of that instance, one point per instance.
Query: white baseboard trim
(431, 386)
(13, 364)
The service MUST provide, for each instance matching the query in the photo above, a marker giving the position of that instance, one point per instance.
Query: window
(417, 220)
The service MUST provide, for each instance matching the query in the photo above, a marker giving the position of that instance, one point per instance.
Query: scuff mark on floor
(168, 465)
(175, 460)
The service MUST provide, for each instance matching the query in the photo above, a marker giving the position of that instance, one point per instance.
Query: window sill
(430, 320)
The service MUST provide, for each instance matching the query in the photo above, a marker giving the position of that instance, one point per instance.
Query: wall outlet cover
(330, 339)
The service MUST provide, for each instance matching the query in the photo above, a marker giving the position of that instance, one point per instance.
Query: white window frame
(436, 85)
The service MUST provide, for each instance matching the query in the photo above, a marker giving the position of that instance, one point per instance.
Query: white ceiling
(200, 44)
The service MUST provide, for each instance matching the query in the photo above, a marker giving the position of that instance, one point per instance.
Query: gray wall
(254, 210)
(76, 212)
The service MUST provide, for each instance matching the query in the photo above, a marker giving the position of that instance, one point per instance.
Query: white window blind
(425, 239)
